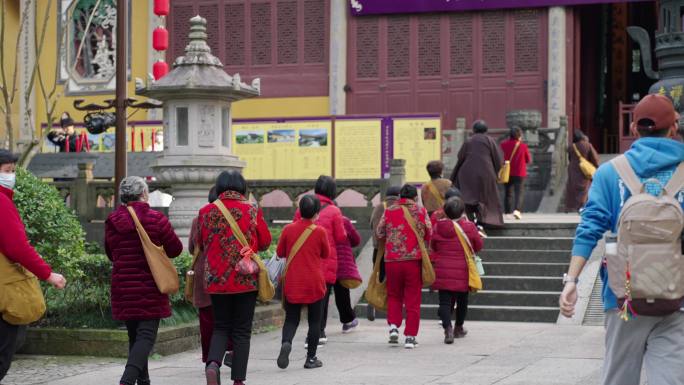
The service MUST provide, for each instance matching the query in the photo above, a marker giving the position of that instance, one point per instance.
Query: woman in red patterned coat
(233, 295)
(403, 263)
(135, 297)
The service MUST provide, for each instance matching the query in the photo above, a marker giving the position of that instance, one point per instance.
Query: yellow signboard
(291, 150)
(358, 149)
(418, 141)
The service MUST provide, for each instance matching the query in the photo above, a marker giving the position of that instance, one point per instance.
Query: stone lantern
(197, 96)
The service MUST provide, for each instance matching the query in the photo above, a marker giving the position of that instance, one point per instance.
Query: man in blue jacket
(657, 343)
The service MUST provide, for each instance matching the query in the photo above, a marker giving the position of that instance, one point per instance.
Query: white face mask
(8, 180)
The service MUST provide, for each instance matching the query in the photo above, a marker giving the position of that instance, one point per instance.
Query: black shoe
(370, 313)
(143, 382)
(228, 359)
(312, 363)
(213, 374)
(284, 356)
(410, 343)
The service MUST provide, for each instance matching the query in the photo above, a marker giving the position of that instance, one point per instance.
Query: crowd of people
(644, 326)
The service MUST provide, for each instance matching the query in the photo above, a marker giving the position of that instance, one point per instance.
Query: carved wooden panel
(527, 28)
(493, 42)
(429, 49)
(234, 34)
(398, 46)
(261, 33)
(461, 43)
(367, 60)
(314, 31)
(287, 32)
(180, 28)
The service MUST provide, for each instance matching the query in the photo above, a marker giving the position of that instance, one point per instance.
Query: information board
(358, 148)
(418, 141)
(289, 150)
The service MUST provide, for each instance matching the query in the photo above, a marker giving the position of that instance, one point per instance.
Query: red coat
(448, 255)
(330, 218)
(401, 243)
(437, 216)
(134, 294)
(304, 281)
(222, 249)
(346, 263)
(520, 160)
(13, 241)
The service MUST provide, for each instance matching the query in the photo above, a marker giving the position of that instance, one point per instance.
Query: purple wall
(370, 7)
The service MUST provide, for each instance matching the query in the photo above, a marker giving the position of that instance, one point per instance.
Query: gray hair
(132, 189)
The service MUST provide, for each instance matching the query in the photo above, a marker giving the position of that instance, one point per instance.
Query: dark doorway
(611, 69)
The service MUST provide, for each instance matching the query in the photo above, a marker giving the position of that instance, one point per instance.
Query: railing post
(80, 194)
(397, 172)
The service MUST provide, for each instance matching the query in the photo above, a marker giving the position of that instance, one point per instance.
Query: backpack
(647, 273)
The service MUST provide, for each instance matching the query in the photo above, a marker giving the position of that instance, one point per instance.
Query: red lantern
(161, 7)
(160, 39)
(160, 69)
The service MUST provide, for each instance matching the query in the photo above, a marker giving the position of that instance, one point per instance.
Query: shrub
(52, 228)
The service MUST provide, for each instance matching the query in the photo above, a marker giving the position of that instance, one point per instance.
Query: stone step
(534, 230)
(511, 283)
(502, 298)
(482, 313)
(528, 243)
(545, 269)
(525, 255)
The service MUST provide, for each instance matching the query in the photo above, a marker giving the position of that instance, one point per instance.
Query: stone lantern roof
(199, 74)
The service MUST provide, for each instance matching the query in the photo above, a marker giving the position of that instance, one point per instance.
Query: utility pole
(121, 95)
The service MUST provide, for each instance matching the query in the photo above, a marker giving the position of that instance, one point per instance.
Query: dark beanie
(7, 157)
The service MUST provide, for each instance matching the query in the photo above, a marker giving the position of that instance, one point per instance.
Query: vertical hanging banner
(358, 148)
(284, 150)
(418, 141)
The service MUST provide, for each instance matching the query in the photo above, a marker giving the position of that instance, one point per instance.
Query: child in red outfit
(451, 267)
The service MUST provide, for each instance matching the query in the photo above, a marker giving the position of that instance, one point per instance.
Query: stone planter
(114, 343)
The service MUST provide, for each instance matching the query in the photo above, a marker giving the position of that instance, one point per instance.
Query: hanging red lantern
(160, 69)
(161, 7)
(160, 39)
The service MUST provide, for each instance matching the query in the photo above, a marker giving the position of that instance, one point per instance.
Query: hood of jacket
(650, 155)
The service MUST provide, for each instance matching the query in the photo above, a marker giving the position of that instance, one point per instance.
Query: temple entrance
(611, 70)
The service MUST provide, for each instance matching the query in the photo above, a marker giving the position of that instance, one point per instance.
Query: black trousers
(343, 303)
(9, 335)
(293, 312)
(233, 316)
(516, 184)
(141, 338)
(326, 302)
(382, 265)
(447, 300)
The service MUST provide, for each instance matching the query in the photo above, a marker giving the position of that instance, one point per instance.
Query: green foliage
(52, 228)
(275, 236)
(85, 303)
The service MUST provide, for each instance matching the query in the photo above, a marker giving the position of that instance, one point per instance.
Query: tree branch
(17, 46)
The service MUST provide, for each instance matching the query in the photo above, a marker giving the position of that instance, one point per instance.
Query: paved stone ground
(492, 353)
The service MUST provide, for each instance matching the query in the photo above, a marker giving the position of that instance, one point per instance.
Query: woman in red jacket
(233, 295)
(403, 263)
(15, 247)
(304, 283)
(347, 271)
(451, 269)
(135, 297)
(516, 152)
(330, 218)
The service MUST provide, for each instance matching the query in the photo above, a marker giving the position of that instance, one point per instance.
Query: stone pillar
(338, 57)
(557, 66)
(27, 55)
(397, 172)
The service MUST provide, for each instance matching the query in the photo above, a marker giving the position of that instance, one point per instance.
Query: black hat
(66, 120)
(7, 157)
(393, 191)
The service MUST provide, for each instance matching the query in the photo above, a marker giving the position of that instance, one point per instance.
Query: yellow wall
(281, 107)
(11, 29)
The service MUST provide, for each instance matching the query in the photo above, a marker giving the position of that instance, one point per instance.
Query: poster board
(358, 148)
(284, 150)
(418, 140)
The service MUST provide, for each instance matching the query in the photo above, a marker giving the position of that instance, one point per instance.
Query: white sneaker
(393, 335)
(410, 342)
(517, 214)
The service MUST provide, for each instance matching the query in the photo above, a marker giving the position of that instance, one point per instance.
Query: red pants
(206, 318)
(404, 288)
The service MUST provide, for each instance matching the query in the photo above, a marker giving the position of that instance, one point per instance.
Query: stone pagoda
(197, 96)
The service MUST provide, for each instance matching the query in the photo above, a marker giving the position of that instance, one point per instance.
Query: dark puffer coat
(448, 255)
(134, 294)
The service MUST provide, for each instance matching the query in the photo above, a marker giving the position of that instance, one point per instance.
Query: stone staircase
(524, 264)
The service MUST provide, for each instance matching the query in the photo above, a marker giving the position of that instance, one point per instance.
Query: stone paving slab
(492, 353)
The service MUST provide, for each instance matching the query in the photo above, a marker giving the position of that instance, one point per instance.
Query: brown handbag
(163, 271)
(190, 277)
(376, 292)
(21, 299)
(427, 271)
